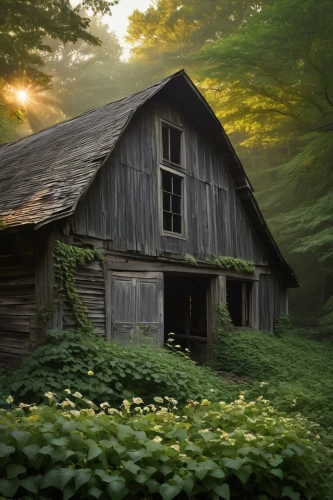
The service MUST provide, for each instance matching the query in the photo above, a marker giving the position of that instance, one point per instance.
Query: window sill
(174, 235)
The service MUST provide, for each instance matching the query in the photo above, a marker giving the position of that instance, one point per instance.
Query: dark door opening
(185, 313)
(239, 302)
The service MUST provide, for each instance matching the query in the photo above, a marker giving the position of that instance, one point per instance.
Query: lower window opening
(185, 313)
(239, 302)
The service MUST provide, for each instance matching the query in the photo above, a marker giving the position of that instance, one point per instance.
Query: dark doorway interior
(239, 302)
(185, 313)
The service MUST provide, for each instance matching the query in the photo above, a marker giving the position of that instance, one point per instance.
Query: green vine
(190, 260)
(232, 263)
(66, 259)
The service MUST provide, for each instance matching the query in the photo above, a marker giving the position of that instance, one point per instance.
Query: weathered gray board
(122, 205)
(273, 301)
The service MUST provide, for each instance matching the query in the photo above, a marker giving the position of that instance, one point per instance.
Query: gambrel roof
(43, 176)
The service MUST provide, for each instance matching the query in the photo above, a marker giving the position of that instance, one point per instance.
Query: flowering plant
(138, 450)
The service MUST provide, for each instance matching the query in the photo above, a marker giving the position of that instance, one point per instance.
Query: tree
(273, 80)
(86, 76)
(171, 31)
(24, 27)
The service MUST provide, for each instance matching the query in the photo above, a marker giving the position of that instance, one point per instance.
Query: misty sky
(119, 20)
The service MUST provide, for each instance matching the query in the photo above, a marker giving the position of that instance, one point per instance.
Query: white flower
(10, 399)
(171, 333)
(175, 447)
(90, 373)
(49, 395)
(76, 413)
(77, 394)
(177, 346)
(137, 401)
(104, 405)
(113, 410)
(157, 439)
(157, 399)
(68, 391)
(212, 390)
(23, 405)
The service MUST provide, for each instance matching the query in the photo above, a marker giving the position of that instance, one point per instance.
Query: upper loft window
(172, 191)
(172, 144)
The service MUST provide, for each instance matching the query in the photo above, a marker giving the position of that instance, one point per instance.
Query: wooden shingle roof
(43, 175)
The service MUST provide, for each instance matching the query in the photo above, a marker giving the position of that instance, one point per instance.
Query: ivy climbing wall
(89, 281)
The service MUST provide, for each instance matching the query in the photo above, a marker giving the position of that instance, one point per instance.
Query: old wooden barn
(153, 182)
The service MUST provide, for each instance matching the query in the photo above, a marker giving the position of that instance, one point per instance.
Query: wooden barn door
(137, 308)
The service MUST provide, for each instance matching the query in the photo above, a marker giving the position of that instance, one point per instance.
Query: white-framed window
(172, 148)
(172, 202)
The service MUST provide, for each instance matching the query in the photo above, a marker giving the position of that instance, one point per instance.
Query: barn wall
(122, 204)
(91, 288)
(17, 298)
(273, 301)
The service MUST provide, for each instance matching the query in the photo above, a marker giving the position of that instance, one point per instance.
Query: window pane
(177, 185)
(166, 181)
(177, 224)
(165, 141)
(175, 141)
(167, 202)
(176, 202)
(167, 221)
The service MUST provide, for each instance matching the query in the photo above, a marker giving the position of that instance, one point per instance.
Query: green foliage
(66, 259)
(190, 260)
(118, 372)
(217, 451)
(282, 325)
(293, 372)
(234, 264)
(326, 321)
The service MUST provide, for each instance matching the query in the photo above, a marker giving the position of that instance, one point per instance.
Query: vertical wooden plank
(216, 294)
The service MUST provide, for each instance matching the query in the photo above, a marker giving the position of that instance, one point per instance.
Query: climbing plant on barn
(66, 260)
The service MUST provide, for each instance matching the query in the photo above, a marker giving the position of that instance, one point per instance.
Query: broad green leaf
(167, 491)
(290, 493)
(153, 486)
(244, 473)
(233, 463)
(223, 491)
(130, 466)
(29, 483)
(95, 492)
(21, 437)
(60, 442)
(277, 473)
(68, 492)
(81, 477)
(276, 461)
(188, 486)
(50, 479)
(14, 470)
(117, 488)
(46, 450)
(138, 454)
(31, 450)
(64, 476)
(5, 450)
(8, 487)
(94, 452)
(218, 473)
(106, 478)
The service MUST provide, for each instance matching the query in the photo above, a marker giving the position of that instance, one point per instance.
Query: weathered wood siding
(273, 301)
(122, 206)
(91, 289)
(17, 299)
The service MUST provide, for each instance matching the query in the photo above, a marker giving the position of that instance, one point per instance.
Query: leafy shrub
(66, 358)
(282, 325)
(298, 370)
(237, 450)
